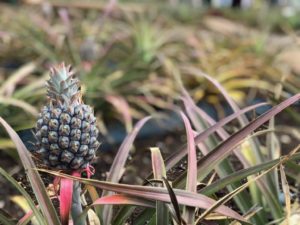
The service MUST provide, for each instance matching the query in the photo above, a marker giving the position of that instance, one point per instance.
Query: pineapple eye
(77, 162)
(46, 117)
(90, 118)
(65, 118)
(75, 135)
(85, 126)
(54, 149)
(56, 113)
(45, 142)
(44, 131)
(75, 123)
(94, 131)
(53, 124)
(94, 143)
(83, 150)
(52, 136)
(74, 146)
(64, 130)
(63, 142)
(90, 155)
(85, 138)
(66, 156)
(39, 124)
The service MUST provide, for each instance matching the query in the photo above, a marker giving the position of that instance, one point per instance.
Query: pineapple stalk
(76, 204)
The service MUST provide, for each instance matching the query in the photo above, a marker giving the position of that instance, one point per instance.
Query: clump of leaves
(180, 201)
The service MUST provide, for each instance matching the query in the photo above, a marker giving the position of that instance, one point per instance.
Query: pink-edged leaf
(26, 218)
(233, 105)
(121, 199)
(157, 194)
(178, 155)
(122, 107)
(33, 176)
(158, 165)
(209, 161)
(193, 110)
(191, 182)
(65, 199)
(254, 150)
(117, 167)
(241, 118)
(197, 115)
(159, 172)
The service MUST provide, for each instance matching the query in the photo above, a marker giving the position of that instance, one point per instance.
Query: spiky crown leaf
(63, 88)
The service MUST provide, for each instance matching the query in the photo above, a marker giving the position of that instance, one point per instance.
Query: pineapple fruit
(66, 129)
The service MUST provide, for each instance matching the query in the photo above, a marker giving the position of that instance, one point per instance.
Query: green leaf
(5, 220)
(31, 204)
(240, 175)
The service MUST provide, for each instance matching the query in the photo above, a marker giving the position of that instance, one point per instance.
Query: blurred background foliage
(126, 54)
(123, 52)
(130, 55)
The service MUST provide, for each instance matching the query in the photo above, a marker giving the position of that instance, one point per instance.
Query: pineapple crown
(63, 88)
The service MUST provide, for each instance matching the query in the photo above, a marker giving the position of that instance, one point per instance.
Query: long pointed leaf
(116, 169)
(121, 199)
(159, 171)
(240, 175)
(24, 194)
(33, 176)
(156, 194)
(177, 156)
(65, 199)
(208, 162)
(191, 180)
(5, 221)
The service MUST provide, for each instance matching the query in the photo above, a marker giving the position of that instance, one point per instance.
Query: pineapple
(66, 129)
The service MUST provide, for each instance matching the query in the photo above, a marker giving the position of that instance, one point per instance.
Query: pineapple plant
(66, 129)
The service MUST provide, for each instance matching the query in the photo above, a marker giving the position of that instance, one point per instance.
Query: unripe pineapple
(66, 130)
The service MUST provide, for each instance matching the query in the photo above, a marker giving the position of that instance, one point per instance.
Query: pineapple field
(149, 112)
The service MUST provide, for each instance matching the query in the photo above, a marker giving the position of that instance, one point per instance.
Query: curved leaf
(33, 176)
(157, 194)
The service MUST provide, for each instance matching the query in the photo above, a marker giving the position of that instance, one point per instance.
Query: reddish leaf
(191, 182)
(157, 194)
(65, 199)
(178, 155)
(121, 199)
(117, 167)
